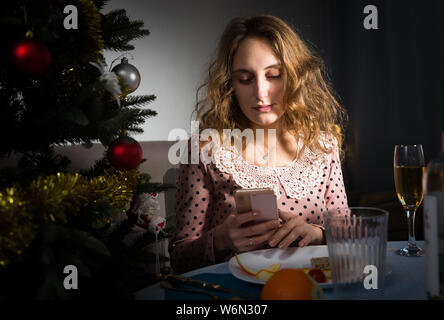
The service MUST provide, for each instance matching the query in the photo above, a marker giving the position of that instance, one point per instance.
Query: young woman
(267, 80)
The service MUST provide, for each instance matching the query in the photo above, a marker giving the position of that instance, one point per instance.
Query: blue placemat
(224, 279)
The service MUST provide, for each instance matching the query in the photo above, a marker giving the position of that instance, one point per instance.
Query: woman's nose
(262, 88)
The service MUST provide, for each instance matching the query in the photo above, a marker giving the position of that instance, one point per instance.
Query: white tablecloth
(406, 281)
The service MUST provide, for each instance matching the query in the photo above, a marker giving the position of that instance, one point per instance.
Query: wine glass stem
(411, 223)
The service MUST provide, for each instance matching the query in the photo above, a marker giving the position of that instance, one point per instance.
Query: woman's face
(259, 83)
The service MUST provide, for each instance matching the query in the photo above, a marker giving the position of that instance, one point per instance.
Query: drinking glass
(409, 168)
(357, 243)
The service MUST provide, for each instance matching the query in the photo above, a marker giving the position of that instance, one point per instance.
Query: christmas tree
(56, 89)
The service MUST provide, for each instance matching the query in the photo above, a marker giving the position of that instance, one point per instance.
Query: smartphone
(263, 201)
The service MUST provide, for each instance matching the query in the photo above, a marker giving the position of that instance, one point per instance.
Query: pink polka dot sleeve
(335, 195)
(192, 245)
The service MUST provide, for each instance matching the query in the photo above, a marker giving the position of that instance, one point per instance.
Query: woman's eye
(249, 80)
(245, 81)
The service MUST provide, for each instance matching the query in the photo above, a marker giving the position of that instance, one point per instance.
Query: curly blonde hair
(311, 109)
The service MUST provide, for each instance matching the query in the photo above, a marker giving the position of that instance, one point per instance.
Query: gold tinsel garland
(56, 199)
(16, 228)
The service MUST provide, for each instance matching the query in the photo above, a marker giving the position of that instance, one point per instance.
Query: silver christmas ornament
(128, 74)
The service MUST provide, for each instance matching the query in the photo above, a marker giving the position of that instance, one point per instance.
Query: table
(406, 282)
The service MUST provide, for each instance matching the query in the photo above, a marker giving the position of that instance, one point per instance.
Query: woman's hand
(295, 227)
(233, 235)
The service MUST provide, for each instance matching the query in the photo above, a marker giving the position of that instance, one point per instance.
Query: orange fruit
(291, 284)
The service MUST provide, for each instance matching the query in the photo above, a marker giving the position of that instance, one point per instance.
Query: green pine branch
(137, 101)
(118, 31)
(127, 118)
(100, 4)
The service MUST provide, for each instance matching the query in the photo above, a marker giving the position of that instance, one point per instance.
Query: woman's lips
(263, 108)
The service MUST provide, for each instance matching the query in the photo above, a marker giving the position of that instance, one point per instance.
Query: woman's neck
(274, 134)
(272, 146)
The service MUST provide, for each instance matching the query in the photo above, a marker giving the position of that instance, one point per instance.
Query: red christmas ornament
(124, 153)
(31, 57)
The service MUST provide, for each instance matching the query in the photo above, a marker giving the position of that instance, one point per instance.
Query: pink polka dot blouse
(306, 187)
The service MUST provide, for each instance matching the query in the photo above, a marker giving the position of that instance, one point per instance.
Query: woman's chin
(264, 123)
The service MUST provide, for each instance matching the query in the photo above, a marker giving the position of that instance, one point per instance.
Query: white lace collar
(297, 177)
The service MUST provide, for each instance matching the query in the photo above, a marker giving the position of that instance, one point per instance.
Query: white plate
(292, 257)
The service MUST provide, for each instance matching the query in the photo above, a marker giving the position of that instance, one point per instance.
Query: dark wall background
(389, 80)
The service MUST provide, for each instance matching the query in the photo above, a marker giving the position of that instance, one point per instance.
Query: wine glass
(409, 168)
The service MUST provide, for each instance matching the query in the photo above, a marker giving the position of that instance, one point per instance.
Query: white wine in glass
(408, 182)
(409, 168)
